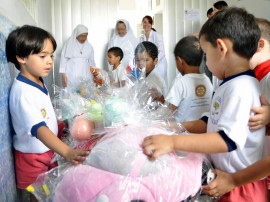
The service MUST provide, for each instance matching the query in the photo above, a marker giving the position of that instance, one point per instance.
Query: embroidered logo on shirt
(200, 90)
(43, 112)
(215, 111)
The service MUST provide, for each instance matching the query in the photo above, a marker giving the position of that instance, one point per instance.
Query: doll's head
(82, 129)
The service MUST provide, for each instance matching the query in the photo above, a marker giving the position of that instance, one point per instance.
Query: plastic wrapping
(117, 170)
(113, 122)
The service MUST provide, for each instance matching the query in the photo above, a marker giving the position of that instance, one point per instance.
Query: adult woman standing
(124, 38)
(151, 35)
(76, 57)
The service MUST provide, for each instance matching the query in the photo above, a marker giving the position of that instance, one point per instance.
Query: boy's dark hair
(220, 5)
(189, 49)
(26, 40)
(237, 25)
(116, 52)
(264, 26)
(148, 47)
(209, 11)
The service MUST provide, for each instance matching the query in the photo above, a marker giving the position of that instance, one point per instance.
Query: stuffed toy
(117, 170)
(82, 128)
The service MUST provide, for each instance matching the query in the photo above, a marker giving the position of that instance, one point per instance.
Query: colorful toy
(95, 110)
(81, 129)
(97, 76)
(117, 170)
(115, 110)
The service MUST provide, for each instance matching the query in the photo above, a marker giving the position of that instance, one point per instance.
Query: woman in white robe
(124, 38)
(76, 58)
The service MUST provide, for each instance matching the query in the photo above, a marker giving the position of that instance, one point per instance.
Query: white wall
(18, 14)
(15, 11)
(98, 15)
(61, 16)
(175, 26)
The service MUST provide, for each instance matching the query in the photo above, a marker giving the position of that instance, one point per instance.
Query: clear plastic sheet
(117, 170)
(113, 122)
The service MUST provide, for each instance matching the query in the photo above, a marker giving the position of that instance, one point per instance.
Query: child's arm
(172, 107)
(155, 94)
(262, 115)
(73, 156)
(207, 143)
(225, 182)
(197, 126)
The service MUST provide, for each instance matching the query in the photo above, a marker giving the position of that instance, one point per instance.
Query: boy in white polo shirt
(225, 135)
(260, 62)
(31, 50)
(191, 93)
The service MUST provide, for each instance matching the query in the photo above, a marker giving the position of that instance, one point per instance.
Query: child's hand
(262, 115)
(157, 145)
(221, 185)
(76, 156)
(154, 93)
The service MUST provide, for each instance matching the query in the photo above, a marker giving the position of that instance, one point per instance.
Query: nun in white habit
(76, 58)
(124, 38)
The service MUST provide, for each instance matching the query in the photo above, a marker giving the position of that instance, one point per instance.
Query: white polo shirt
(153, 80)
(30, 107)
(230, 112)
(191, 94)
(119, 74)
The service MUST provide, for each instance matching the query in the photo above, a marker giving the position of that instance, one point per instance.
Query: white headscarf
(128, 36)
(72, 41)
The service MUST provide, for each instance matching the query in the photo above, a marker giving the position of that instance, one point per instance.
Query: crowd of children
(228, 123)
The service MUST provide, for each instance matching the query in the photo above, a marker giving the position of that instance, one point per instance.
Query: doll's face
(121, 29)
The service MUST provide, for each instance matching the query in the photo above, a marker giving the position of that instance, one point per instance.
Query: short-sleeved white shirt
(265, 86)
(155, 81)
(230, 112)
(30, 107)
(191, 94)
(263, 75)
(119, 74)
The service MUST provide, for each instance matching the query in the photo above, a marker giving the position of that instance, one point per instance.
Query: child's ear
(155, 61)
(20, 59)
(261, 45)
(222, 46)
(179, 60)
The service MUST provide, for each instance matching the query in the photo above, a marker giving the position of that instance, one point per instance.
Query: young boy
(146, 56)
(31, 50)
(260, 62)
(232, 146)
(191, 93)
(118, 71)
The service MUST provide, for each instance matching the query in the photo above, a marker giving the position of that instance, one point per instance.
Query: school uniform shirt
(191, 94)
(262, 73)
(153, 80)
(229, 114)
(118, 74)
(161, 67)
(30, 108)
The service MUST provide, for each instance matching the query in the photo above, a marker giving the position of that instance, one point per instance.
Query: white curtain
(98, 15)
